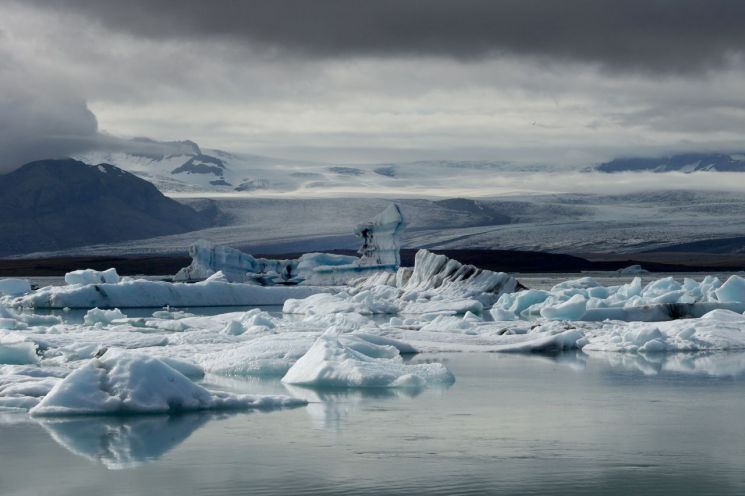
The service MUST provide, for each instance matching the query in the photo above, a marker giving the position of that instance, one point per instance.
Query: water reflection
(124, 442)
(707, 363)
(330, 407)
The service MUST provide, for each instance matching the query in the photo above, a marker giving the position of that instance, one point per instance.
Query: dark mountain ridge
(685, 162)
(58, 204)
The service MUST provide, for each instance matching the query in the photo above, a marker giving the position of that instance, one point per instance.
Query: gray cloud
(648, 35)
(483, 81)
(39, 117)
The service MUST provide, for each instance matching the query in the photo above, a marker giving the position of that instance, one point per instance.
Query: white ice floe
(17, 350)
(436, 284)
(126, 383)
(14, 287)
(103, 317)
(147, 293)
(330, 363)
(90, 276)
(586, 300)
(22, 386)
(10, 319)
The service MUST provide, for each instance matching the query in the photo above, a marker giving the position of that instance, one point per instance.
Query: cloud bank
(553, 83)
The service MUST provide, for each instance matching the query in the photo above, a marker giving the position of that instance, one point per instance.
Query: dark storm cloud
(44, 128)
(648, 35)
(39, 118)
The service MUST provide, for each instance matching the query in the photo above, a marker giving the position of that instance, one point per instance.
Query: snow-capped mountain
(687, 162)
(183, 167)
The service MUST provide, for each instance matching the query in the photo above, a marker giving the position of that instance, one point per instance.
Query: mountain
(686, 162)
(185, 168)
(58, 204)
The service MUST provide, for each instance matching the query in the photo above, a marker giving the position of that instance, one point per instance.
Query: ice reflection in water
(124, 442)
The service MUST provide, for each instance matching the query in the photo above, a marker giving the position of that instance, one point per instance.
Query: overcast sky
(566, 83)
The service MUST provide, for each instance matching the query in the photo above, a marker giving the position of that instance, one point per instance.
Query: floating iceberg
(17, 350)
(633, 269)
(381, 239)
(125, 383)
(90, 276)
(586, 300)
(330, 363)
(436, 284)
(380, 251)
(14, 287)
(104, 317)
(145, 293)
(236, 266)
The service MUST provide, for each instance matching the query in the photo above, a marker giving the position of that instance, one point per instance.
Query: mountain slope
(687, 162)
(57, 204)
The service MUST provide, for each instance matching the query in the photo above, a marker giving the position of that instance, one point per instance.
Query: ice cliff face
(381, 238)
(236, 266)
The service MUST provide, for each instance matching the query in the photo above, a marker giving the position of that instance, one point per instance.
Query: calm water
(568, 424)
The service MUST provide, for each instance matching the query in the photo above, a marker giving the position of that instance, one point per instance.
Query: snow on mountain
(687, 162)
(182, 167)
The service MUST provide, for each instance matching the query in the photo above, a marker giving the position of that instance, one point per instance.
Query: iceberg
(586, 300)
(123, 383)
(17, 350)
(436, 284)
(381, 239)
(103, 317)
(143, 293)
(330, 363)
(633, 269)
(14, 287)
(90, 276)
(236, 266)
(380, 248)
